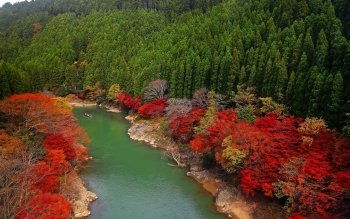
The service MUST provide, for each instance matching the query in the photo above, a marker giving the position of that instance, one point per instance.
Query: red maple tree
(59, 142)
(128, 101)
(152, 109)
(45, 206)
(181, 128)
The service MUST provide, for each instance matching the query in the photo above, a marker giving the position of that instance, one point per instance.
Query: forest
(260, 89)
(297, 52)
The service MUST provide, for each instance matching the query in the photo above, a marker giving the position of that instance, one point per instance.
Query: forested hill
(296, 51)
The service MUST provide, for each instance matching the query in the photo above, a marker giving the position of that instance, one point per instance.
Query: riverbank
(228, 198)
(74, 189)
(76, 102)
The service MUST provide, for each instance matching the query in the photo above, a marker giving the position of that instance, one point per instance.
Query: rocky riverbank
(74, 189)
(228, 198)
(109, 108)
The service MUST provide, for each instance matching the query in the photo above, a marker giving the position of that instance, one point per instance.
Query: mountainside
(295, 51)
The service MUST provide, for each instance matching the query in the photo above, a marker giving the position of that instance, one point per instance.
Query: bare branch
(178, 107)
(156, 90)
(200, 98)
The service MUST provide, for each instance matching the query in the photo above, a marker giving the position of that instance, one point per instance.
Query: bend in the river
(132, 180)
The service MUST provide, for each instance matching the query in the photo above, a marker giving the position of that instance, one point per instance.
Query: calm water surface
(132, 180)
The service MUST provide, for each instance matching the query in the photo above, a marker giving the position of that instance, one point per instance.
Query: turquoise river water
(132, 180)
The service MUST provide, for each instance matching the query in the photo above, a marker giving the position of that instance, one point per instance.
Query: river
(132, 180)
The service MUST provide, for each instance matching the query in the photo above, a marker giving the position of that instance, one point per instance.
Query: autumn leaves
(44, 131)
(296, 160)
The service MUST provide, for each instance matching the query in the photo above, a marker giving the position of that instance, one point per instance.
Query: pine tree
(235, 70)
(242, 76)
(252, 77)
(321, 50)
(290, 88)
(335, 101)
(298, 105)
(308, 46)
(267, 78)
(4, 83)
(296, 53)
(282, 79)
(225, 68)
(315, 100)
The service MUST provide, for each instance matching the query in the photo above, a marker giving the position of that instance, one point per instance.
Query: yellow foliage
(113, 92)
(94, 92)
(63, 104)
(233, 156)
(209, 116)
(245, 96)
(268, 106)
(312, 126)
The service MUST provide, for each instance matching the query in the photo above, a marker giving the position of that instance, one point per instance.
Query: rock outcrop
(76, 192)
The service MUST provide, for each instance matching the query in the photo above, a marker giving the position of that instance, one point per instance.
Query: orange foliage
(37, 27)
(53, 119)
(39, 112)
(9, 145)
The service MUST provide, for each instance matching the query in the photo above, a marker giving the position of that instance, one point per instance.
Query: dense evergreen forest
(296, 51)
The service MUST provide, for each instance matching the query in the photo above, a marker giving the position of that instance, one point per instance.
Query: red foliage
(297, 216)
(221, 128)
(246, 136)
(58, 142)
(278, 146)
(26, 97)
(199, 143)
(343, 179)
(196, 114)
(45, 206)
(315, 174)
(128, 101)
(81, 96)
(43, 178)
(316, 167)
(45, 117)
(181, 128)
(250, 183)
(153, 109)
(341, 153)
(267, 189)
(266, 122)
(216, 133)
(57, 161)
